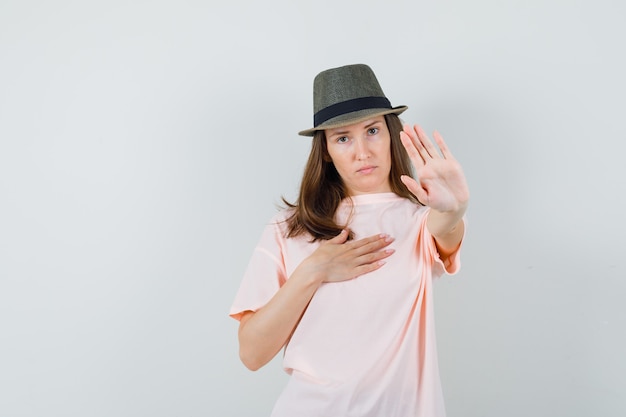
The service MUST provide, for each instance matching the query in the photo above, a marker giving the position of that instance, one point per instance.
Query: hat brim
(352, 118)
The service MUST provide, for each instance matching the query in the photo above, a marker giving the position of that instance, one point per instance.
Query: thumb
(340, 238)
(413, 186)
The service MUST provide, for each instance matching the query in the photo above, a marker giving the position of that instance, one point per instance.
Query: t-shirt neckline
(371, 198)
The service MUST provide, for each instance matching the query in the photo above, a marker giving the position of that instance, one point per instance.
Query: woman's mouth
(366, 169)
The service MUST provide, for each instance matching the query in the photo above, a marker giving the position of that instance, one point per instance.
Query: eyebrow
(343, 132)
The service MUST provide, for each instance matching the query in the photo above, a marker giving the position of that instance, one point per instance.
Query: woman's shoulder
(282, 215)
(279, 221)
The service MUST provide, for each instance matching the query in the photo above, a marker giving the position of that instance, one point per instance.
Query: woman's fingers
(418, 145)
(442, 145)
(369, 244)
(414, 187)
(367, 254)
(341, 237)
(427, 145)
(374, 257)
(351, 259)
(367, 268)
(409, 144)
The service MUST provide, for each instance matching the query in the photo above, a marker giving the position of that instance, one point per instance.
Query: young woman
(342, 278)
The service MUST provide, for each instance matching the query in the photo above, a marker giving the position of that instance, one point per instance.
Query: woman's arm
(263, 333)
(440, 184)
(447, 228)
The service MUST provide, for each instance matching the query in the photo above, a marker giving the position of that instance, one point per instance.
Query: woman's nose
(361, 149)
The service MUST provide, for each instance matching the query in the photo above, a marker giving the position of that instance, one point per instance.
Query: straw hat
(347, 95)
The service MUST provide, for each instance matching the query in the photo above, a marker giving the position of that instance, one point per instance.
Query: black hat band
(350, 106)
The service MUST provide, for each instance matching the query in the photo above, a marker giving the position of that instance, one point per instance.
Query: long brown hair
(322, 189)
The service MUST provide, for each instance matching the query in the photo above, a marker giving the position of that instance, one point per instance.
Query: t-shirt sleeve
(264, 275)
(430, 252)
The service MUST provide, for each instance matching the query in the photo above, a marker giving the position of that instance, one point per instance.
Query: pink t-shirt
(364, 347)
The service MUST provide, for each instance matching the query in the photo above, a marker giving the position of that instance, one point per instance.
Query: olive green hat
(347, 95)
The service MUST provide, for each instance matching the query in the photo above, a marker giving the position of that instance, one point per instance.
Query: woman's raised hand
(338, 260)
(440, 183)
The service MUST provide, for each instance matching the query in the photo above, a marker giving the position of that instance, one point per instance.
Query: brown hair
(322, 189)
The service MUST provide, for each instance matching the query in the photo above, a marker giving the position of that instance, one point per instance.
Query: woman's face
(361, 154)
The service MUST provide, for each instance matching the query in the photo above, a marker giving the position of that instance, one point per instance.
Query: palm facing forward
(440, 183)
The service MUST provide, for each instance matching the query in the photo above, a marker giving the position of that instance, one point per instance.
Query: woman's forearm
(447, 229)
(263, 333)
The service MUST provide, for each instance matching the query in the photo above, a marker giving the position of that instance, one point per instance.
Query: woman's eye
(342, 139)
(373, 131)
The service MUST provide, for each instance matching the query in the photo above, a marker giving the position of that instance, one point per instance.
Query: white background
(144, 144)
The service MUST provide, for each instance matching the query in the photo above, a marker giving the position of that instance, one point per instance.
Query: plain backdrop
(144, 145)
